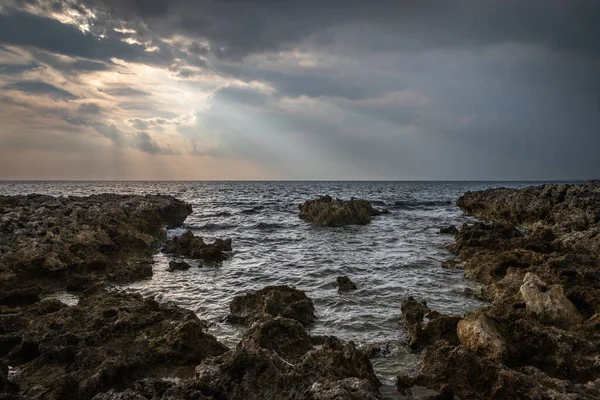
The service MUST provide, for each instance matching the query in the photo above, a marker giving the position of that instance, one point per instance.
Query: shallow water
(396, 256)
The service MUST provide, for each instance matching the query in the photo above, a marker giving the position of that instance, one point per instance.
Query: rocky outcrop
(190, 246)
(345, 284)
(335, 212)
(539, 259)
(272, 301)
(274, 360)
(108, 340)
(74, 242)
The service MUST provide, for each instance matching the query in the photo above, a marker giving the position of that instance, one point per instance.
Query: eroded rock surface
(272, 301)
(108, 340)
(437, 327)
(74, 242)
(335, 212)
(191, 246)
(539, 256)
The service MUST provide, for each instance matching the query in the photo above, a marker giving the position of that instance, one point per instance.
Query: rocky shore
(538, 255)
(116, 345)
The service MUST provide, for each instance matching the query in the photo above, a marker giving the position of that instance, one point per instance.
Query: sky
(312, 89)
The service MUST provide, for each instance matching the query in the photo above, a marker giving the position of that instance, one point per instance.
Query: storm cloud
(311, 89)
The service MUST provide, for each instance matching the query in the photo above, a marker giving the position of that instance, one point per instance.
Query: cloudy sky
(311, 89)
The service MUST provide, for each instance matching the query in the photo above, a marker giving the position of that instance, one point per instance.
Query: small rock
(189, 245)
(449, 230)
(345, 284)
(178, 266)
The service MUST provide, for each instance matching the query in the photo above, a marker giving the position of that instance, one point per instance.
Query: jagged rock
(178, 266)
(449, 230)
(108, 340)
(548, 303)
(539, 259)
(343, 389)
(335, 212)
(57, 243)
(480, 334)
(114, 395)
(284, 336)
(345, 284)
(188, 245)
(272, 301)
(451, 264)
(438, 326)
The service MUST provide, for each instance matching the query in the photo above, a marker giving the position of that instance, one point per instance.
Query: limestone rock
(335, 212)
(548, 303)
(480, 334)
(272, 301)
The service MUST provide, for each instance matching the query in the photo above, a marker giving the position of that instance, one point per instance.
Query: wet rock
(548, 303)
(345, 284)
(480, 334)
(437, 327)
(109, 340)
(451, 264)
(335, 212)
(449, 230)
(178, 266)
(114, 395)
(272, 301)
(59, 242)
(344, 389)
(188, 245)
(286, 337)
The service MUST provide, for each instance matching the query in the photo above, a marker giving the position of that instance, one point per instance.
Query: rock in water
(272, 301)
(345, 284)
(188, 245)
(178, 266)
(449, 230)
(335, 212)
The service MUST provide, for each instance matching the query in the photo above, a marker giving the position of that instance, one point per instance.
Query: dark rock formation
(539, 258)
(438, 326)
(178, 266)
(73, 242)
(335, 212)
(188, 245)
(109, 340)
(272, 301)
(274, 360)
(449, 230)
(345, 284)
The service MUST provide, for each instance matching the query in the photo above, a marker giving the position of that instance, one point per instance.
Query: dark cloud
(144, 142)
(34, 87)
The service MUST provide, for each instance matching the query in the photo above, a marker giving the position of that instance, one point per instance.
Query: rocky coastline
(537, 255)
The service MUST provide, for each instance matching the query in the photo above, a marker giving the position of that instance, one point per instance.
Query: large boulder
(548, 303)
(286, 337)
(188, 245)
(335, 212)
(272, 301)
(479, 333)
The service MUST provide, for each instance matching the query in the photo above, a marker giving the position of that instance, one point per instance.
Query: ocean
(395, 256)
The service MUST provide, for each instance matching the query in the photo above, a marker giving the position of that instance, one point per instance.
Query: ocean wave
(421, 204)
